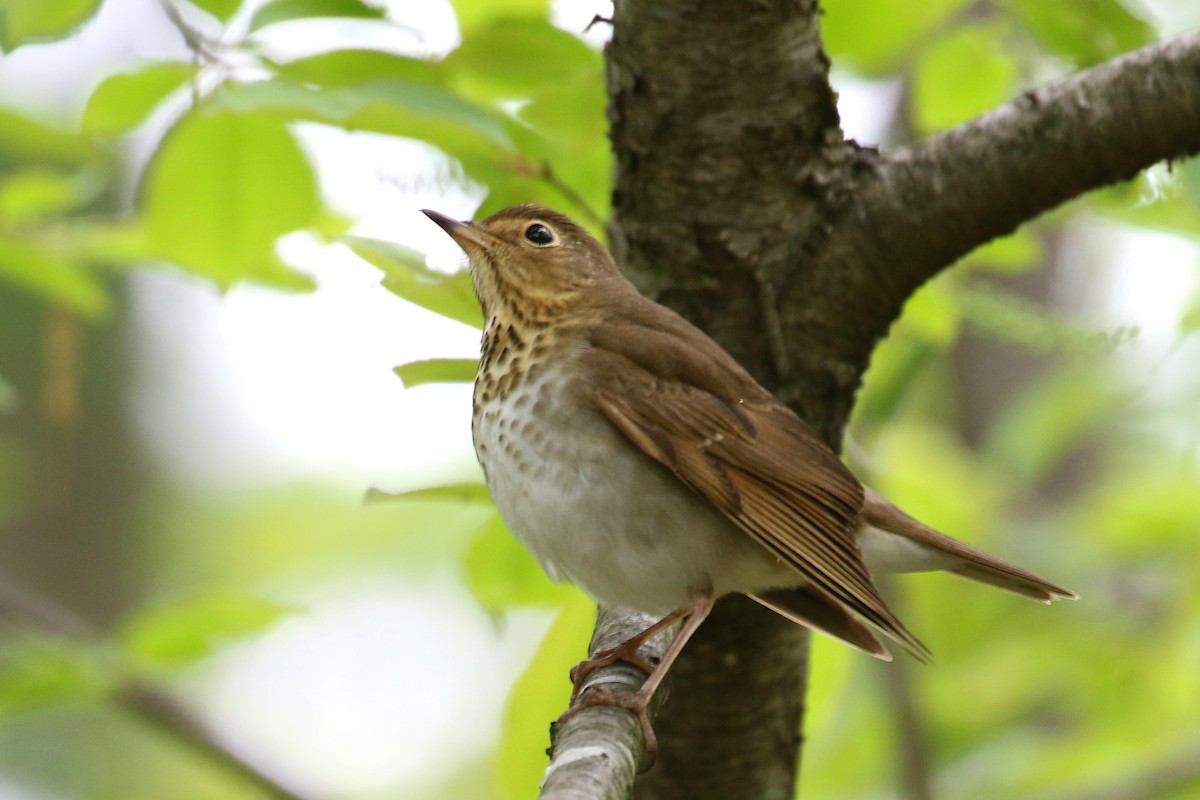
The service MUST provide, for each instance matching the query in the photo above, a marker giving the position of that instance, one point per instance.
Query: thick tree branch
(925, 206)
(738, 202)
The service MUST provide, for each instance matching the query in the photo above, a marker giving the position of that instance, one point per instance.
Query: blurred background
(214, 480)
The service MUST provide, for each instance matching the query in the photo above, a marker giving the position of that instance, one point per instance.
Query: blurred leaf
(24, 140)
(221, 189)
(437, 370)
(1050, 419)
(1189, 172)
(540, 696)
(1152, 515)
(931, 312)
(501, 573)
(221, 9)
(24, 21)
(124, 100)
(473, 14)
(570, 113)
(184, 632)
(10, 400)
(386, 106)
(288, 10)
(470, 493)
(963, 74)
(351, 68)
(1085, 32)
(1018, 321)
(513, 57)
(53, 276)
(1020, 251)
(891, 377)
(874, 36)
(406, 276)
(36, 672)
(1190, 322)
(37, 192)
(932, 476)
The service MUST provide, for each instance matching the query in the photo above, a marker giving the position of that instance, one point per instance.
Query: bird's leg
(638, 702)
(626, 651)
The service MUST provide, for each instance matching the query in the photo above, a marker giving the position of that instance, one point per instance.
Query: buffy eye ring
(539, 234)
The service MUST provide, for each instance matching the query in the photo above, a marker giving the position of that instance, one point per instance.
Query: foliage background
(188, 427)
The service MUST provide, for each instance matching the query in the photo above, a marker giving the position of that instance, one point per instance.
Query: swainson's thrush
(636, 459)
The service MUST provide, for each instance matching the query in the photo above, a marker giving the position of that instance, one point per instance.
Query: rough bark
(738, 202)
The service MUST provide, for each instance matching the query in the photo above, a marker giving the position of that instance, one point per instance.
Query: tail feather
(960, 558)
(811, 608)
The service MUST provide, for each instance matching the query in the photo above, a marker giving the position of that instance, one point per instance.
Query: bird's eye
(539, 234)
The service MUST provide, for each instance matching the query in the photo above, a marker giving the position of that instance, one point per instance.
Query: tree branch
(28, 609)
(929, 204)
(596, 753)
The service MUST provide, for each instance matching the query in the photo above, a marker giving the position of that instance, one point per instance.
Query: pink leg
(626, 651)
(637, 703)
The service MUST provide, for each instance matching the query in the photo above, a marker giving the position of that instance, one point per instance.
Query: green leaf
(501, 573)
(1018, 252)
(571, 113)
(469, 493)
(37, 672)
(513, 57)
(25, 21)
(1050, 418)
(10, 398)
(404, 108)
(1016, 320)
(962, 75)
(52, 275)
(875, 36)
(352, 68)
(406, 276)
(1190, 322)
(474, 14)
(124, 100)
(289, 10)
(222, 188)
(437, 370)
(1086, 32)
(24, 140)
(1189, 173)
(38, 192)
(221, 9)
(541, 694)
(932, 314)
(184, 632)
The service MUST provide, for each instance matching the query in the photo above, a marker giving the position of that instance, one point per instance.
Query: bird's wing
(760, 465)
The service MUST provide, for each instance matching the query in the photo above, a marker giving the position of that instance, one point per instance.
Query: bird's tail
(954, 556)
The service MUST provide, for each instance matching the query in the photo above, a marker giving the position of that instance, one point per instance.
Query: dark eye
(539, 234)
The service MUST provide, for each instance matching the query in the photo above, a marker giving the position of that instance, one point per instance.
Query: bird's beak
(462, 232)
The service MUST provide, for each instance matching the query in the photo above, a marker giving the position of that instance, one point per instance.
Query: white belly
(597, 512)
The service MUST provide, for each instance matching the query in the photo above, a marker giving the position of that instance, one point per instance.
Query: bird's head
(529, 261)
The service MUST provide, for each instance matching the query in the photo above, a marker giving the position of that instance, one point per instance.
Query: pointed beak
(462, 232)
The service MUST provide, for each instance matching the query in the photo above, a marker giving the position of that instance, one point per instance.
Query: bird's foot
(635, 703)
(626, 651)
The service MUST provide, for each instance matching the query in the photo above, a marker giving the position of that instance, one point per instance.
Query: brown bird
(636, 459)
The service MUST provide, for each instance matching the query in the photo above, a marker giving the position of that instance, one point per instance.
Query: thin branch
(26, 608)
(596, 753)
(937, 200)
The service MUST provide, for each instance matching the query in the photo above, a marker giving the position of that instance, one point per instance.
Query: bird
(635, 458)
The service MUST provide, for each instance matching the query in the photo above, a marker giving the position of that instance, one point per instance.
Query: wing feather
(765, 469)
